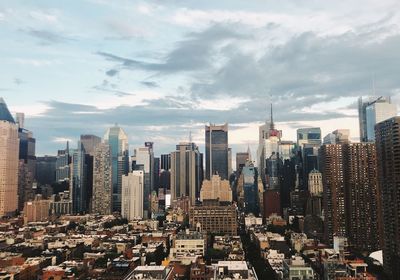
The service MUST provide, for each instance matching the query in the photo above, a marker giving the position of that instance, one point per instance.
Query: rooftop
(5, 114)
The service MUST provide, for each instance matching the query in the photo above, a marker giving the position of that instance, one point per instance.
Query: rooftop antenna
(272, 115)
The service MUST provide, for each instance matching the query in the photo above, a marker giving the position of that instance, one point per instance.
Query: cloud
(198, 51)
(150, 84)
(47, 37)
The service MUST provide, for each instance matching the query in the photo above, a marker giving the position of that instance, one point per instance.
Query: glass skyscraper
(217, 151)
(118, 141)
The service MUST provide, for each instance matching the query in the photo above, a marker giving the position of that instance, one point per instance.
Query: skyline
(162, 69)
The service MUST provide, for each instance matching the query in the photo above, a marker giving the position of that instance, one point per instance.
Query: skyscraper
(62, 165)
(132, 195)
(118, 141)
(186, 171)
(351, 200)
(144, 160)
(372, 111)
(90, 142)
(9, 154)
(78, 181)
(267, 153)
(388, 157)
(308, 142)
(362, 211)
(165, 161)
(339, 136)
(332, 169)
(102, 180)
(217, 157)
(250, 188)
(27, 163)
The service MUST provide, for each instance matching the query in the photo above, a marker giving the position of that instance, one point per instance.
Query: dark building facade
(331, 160)
(351, 199)
(46, 170)
(217, 151)
(362, 212)
(165, 162)
(387, 135)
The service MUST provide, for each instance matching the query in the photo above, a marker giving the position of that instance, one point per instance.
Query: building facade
(186, 172)
(217, 151)
(9, 158)
(214, 219)
(388, 158)
(77, 181)
(102, 180)
(216, 189)
(118, 141)
(132, 195)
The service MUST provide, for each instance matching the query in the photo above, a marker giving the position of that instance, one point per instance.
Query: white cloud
(44, 16)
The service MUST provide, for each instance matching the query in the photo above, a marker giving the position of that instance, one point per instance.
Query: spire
(249, 152)
(190, 136)
(272, 126)
(4, 112)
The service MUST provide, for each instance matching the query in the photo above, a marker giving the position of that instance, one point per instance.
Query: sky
(163, 69)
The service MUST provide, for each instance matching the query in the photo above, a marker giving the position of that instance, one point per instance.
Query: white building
(189, 244)
(377, 112)
(132, 195)
(296, 268)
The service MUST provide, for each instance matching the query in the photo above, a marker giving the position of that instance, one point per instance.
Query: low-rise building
(295, 268)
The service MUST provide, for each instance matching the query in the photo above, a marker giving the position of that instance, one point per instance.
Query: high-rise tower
(102, 180)
(186, 171)
(388, 158)
(217, 151)
(118, 141)
(9, 153)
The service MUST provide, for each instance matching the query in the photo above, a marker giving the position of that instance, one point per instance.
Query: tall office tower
(315, 186)
(144, 160)
(62, 165)
(216, 189)
(102, 180)
(360, 177)
(309, 142)
(388, 158)
(45, 170)
(9, 154)
(332, 169)
(78, 180)
(372, 111)
(250, 189)
(90, 142)
(118, 141)
(267, 153)
(165, 161)
(27, 164)
(186, 172)
(217, 152)
(132, 195)
(287, 178)
(339, 136)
